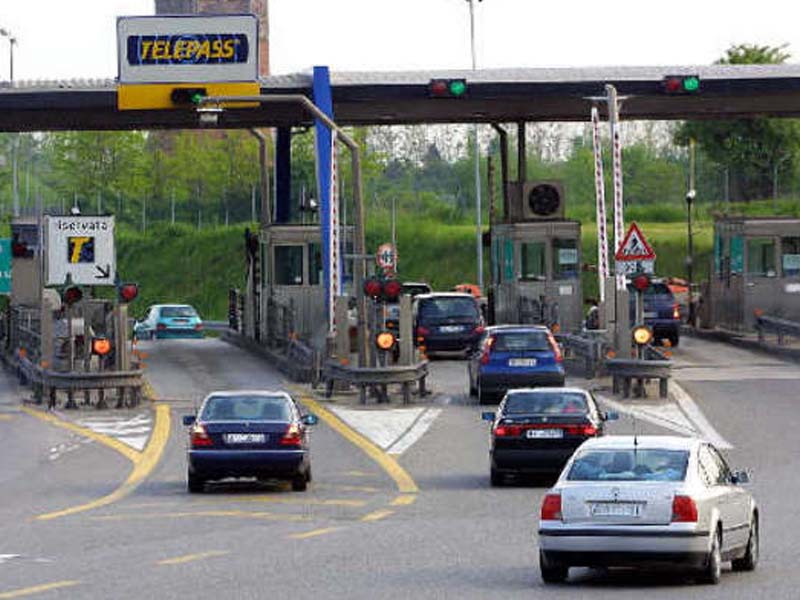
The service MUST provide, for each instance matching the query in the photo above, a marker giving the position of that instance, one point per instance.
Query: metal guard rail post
(377, 376)
(781, 327)
(623, 370)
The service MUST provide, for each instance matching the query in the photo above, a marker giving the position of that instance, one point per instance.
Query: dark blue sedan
(249, 434)
(514, 356)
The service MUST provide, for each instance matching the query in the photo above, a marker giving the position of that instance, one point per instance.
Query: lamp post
(690, 195)
(15, 184)
(11, 41)
(478, 233)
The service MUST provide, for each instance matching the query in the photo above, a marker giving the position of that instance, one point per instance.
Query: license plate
(521, 362)
(544, 433)
(616, 509)
(245, 438)
(650, 314)
(451, 328)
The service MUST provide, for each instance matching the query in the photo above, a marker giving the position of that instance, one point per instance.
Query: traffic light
(642, 335)
(101, 346)
(187, 96)
(127, 292)
(373, 288)
(681, 84)
(20, 249)
(386, 290)
(71, 295)
(447, 88)
(640, 282)
(392, 289)
(385, 340)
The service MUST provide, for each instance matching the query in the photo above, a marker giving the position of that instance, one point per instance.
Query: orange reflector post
(101, 346)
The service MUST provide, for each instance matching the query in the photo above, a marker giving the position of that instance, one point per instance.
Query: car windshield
(178, 311)
(246, 408)
(511, 341)
(448, 308)
(630, 465)
(546, 403)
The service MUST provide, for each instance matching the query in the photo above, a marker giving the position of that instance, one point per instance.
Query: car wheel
(473, 391)
(552, 572)
(750, 559)
(300, 483)
(194, 483)
(713, 569)
(308, 475)
(496, 478)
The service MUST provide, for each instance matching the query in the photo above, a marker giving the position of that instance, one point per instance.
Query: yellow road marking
(313, 533)
(377, 515)
(143, 465)
(358, 473)
(101, 438)
(36, 589)
(347, 488)
(179, 560)
(203, 513)
(405, 484)
(292, 501)
(404, 500)
(5, 417)
(147, 389)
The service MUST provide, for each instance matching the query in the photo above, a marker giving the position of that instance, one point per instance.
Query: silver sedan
(648, 501)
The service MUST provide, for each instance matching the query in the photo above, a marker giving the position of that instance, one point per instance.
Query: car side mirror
(740, 478)
(611, 415)
(189, 420)
(310, 419)
(487, 416)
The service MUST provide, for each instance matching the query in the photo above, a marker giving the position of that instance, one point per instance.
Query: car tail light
(684, 510)
(293, 436)
(422, 331)
(479, 329)
(556, 349)
(161, 327)
(198, 327)
(551, 508)
(199, 437)
(581, 430)
(676, 311)
(487, 349)
(507, 431)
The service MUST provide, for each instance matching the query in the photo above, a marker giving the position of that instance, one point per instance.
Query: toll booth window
(565, 259)
(761, 257)
(790, 256)
(314, 264)
(289, 265)
(532, 256)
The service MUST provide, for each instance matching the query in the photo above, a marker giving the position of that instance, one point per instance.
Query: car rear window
(630, 465)
(178, 311)
(415, 290)
(246, 408)
(546, 403)
(448, 308)
(509, 341)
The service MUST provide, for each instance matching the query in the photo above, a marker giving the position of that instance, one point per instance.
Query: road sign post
(634, 256)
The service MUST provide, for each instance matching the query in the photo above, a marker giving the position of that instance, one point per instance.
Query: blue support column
(283, 175)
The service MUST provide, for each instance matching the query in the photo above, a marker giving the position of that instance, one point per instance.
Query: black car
(447, 322)
(248, 434)
(661, 312)
(535, 431)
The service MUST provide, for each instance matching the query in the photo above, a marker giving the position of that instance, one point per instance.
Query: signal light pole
(478, 225)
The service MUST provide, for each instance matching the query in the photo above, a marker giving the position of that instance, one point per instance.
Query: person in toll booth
(593, 314)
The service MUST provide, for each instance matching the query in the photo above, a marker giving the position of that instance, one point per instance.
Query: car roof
(666, 442)
(263, 393)
(548, 390)
(173, 306)
(445, 295)
(518, 328)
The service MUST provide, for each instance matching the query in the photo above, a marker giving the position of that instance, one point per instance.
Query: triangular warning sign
(634, 246)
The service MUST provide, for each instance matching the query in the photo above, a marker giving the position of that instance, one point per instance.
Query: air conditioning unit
(536, 201)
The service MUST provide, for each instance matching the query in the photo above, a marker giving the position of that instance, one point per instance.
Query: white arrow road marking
(393, 430)
(131, 431)
(694, 413)
(7, 557)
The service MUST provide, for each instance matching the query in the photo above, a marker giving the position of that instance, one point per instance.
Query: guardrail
(588, 348)
(782, 327)
(380, 377)
(624, 371)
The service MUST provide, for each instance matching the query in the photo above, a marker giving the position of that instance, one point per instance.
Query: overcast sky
(77, 38)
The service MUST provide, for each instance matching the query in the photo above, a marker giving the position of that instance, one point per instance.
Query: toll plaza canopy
(403, 97)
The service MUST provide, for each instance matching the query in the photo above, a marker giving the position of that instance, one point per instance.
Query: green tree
(755, 150)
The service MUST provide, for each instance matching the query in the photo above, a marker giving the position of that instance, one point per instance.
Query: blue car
(514, 356)
(248, 434)
(661, 312)
(169, 321)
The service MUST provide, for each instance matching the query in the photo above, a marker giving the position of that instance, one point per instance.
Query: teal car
(164, 321)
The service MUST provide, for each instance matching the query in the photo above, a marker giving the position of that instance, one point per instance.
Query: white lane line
(416, 432)
(133, 431)
(693, 412)
(7, 557)
(667, 417)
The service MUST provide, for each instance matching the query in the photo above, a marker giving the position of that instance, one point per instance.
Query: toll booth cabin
(293, 302)
(756, 267)
(536, 273)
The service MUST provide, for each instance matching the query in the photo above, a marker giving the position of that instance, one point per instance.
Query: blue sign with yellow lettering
(5, 266)
(188, 49)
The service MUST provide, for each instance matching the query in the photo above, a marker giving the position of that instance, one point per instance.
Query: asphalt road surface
(354, 534)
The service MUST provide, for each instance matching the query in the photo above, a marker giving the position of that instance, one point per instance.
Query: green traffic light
(691, 84)
(458, 87)
(196, 98)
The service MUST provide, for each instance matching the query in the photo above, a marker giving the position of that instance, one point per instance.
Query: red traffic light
(681, 84)
(20, 250)
(447, 88)
(128, 292)
(71, 295)
(373, 288)
(392, 289)
(641, 281)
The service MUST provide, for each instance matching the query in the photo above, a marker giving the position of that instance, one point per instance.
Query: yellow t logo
(77, 246)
